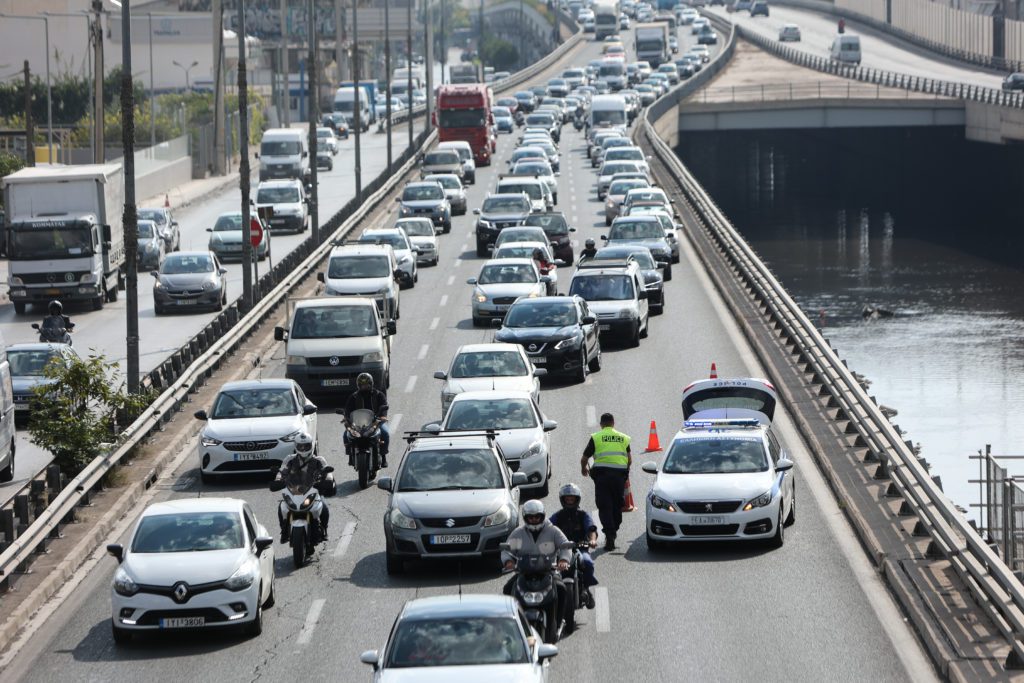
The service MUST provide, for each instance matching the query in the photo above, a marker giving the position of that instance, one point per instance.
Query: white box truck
(65, 238)
(606, 19)
(652, 43)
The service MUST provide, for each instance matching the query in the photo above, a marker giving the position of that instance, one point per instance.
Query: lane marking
(410, 385)
(591, 416)
(451, 280)
(312, 617)
(602, 618)
(423, 352)
(395, 421)
(434, 323)
(458, 263)
(343, 542)
(444, 300)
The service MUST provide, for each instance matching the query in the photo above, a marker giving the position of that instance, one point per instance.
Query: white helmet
(533, 515)
(304, 446)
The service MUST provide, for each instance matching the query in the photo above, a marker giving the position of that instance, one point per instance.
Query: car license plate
(21, 406)
(704, 520)
(258, 455)
(450, 539)
(53, 292)
(604, 328)
(539, 360)
(187, 302)
(277, 221)
(183, 622)
(334, 382)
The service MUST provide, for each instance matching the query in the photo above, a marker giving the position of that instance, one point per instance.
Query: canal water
(919, 223)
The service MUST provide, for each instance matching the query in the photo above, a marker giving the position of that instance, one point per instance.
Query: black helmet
(570, 490)
(538, 254)
(55, 307)
(364, 381)
(590, 244)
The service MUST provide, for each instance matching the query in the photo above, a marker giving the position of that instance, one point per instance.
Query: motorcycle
(364, 443)
(575, 591)
(578, 122)
(53, 333)
(536, 590)
(303, 503)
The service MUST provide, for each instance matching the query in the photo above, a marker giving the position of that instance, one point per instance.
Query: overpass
(820, 608)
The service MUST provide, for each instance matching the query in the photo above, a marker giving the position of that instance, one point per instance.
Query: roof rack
(449, 434)
(603, 263)
(723, 423)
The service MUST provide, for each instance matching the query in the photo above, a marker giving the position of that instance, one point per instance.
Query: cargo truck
(464, 73)
(65, 237)
(606, 20)
(652, 43)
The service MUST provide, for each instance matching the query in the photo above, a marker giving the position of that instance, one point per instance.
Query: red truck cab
(464, 113)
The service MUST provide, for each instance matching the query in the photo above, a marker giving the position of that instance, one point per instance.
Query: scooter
(536, 590)
(576, 592)
(302, 503)
(53, 334)
(578, 122)
(363, 443)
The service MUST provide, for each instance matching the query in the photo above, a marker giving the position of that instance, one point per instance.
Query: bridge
(880, 578)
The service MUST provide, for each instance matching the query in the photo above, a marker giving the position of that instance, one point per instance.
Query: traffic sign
(255, 231)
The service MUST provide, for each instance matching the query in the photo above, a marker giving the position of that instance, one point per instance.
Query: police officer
(612, 458)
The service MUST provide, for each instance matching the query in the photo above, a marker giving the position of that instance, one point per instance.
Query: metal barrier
(788, 92)
(999, 592)
(1001, 507)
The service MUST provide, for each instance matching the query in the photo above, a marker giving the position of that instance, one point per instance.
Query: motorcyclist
(543, 264)
(302, 461)
(367, 398)
(842, 25)
(56, 323)
(537, 536)
(589, 250)
(579, 528)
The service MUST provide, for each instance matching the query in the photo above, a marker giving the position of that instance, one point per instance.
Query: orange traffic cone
(653, 446)
(627, 501)
(714, 372)
(167, 201)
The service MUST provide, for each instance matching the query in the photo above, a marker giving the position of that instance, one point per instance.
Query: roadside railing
(1001, 506)
(814, 90)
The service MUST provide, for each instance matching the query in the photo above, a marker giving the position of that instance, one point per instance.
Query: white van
(366, 270)
(284, 153)
(846, 49)
(608, 111)
(345, 102)
(7, 433)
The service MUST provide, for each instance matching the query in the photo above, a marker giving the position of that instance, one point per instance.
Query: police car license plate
(258, 455)
(183, 622)
(450, 539)
(334, 382)
(705, 520)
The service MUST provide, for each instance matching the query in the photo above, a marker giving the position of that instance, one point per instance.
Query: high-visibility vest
(610, 448)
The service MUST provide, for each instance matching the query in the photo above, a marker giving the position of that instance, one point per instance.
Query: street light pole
(152, 91)
(130, 218)
(243, 163)
(96, 36)
(408, 69)
(387, 74)
(356, 91)
(186, 69)
(49, 92)
(314, 101)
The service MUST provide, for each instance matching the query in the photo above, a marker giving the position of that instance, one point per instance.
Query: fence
(1001, 507)
(776, 92)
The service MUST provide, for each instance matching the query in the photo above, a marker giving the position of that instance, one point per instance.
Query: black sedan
(188, 280)
(558, 333)
(557, 229)
(1014, 81)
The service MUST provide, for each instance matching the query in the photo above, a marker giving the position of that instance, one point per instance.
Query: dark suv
(558, 333)
(499, 211)
(557, 229)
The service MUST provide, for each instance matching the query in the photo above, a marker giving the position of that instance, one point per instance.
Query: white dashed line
(423, 352)
(591, 416)
(434, 323)
(410, 385)
(603, 619)
(394, 422)
(451, 280)
(444, 300)
(458, 263)
(312, 617)
(346, 538)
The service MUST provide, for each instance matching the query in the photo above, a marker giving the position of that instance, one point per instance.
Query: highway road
(813, 610)
(879, 50)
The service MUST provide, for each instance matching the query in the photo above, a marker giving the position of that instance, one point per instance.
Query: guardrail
(815, 90)
(186, 369)
(1001, 502)
(889, 79)
(1000, 593)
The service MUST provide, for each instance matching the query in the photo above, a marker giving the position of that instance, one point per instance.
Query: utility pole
(152, 90)
(286, 114)
(219, 153)
(314, 101)
(444, 43)
(30, 133)
(408, 54)
(428, 60)
(96, 37)
(243, 162)
(480, 40)
(387, 74)
(131, 232)
(356, 106)
(339, 44)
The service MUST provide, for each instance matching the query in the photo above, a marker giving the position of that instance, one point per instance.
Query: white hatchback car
(405, 252)
(252, 427)
(495, 366)
(193, 563)
(423, 236)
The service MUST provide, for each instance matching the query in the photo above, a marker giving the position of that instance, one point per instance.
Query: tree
(8, 165)
(79, 410)
(501, 54)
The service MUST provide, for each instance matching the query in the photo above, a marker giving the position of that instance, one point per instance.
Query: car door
(776, 452)
(254, 530)
(641, 302)
(590, 333)
(309, 420)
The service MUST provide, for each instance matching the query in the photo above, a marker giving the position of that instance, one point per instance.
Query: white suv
(287, 200)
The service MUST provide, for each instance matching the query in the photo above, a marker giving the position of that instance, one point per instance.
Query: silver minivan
(846, 49)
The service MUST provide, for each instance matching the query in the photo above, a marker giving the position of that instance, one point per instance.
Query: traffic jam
(476, 483)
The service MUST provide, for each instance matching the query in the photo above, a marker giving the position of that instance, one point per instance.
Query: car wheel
(97, 303)
(479, 322)
(112, 293)
(481, 251)
(255, 627)
(779, 539)
(595, 362)
(158, 309)
(394, 564)
(668, 273)
(208, 479)
(607, 221)
(634, 339)
(121, 636)
(790, 518)
(646, 329)
(581, 374)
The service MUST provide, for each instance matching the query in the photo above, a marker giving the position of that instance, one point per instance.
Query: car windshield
(178, 264)
(510, 274)
(488, 364)
(418, 228)
(396, 240)
(613, 167)
(532, 168)
(636, 230)
(553, 223)
(517, 251)
(358, 267)
(540, 120)
(277, 195)
(279, 148)
(334, 322)
(505, 205)
(716, 455)
(417, 193)
(457, 641)
(188, 532)
(448, 470)
(531, 190)
(462, 118)
(501, 112)
(544, 314)
(494, 413)
(527, 153)
(651, 195)
(260, 402)
(624, 153)
(147, 229)
(445, 158)
(155, 215)
(603, 287)
(26, 363)
(611, 69)
(624, 186)
(228, 223)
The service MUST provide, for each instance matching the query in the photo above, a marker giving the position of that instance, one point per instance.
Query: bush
(501, 54)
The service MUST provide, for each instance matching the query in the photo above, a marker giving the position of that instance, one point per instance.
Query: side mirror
(588, 320)
(222, 271)
(540, 372)
(650, 467)
(116, 550)
(280, 334)
(642, 294)
(433, 428)
(476, 212)
(384, 484)
(154, 273)
(572, 229)
(519, 479)
(559, 262)
(783, 464)
(320, 277)
(392, 327)
(440, 374)
(201, 415)
(262, 543)
(209, 230)
(35, 326)
(550, 425)
(471, 281)
(309, 409)
(604, 237)
(370, 656)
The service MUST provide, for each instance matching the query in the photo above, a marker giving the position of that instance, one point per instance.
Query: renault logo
(708, 507)
(334, 360)
(180, 592)
(450, 523)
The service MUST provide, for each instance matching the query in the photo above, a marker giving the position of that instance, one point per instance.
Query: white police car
(725, 475)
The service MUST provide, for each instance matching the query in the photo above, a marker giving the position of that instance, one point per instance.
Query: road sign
(255, 231)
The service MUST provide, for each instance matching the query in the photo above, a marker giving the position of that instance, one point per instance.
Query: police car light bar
(719, 423)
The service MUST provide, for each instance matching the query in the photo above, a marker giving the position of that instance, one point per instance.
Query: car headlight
(18, 282)
(242, 578)
(566, 343)
(533, 597)
(123, 583)
(296, 360)
(610, 204)
(209, 441)
(373, 357)
(479, 295)
(484, 224)
(401, 521)
(87, 279)
(627, 313)
(759, 502)
(158, 285)
(536, 448)
(288, 438)
(384, 291)
(207, 286)
(404, 210)
(661, 504)
(404, 258)
(499, 516)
